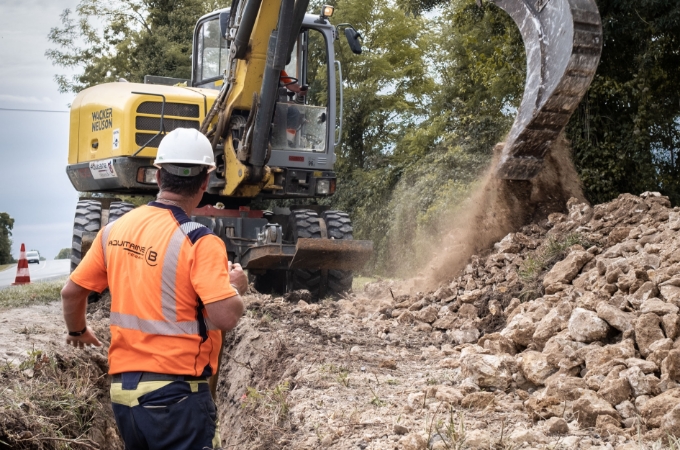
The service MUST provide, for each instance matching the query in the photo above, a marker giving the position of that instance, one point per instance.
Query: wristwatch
(77, 333)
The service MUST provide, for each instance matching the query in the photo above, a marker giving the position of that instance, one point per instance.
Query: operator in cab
(173, 293)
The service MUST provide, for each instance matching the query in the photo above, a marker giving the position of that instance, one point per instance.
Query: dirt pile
(565, 335)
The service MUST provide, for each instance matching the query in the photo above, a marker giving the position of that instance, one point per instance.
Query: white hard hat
(185, 146)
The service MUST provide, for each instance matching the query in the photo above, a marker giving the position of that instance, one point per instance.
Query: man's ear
(204, 185)
(158, 177)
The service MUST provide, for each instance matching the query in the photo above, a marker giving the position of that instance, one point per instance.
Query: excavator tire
(338, 226)
(88, 219)
(304, 223)
(118, 209)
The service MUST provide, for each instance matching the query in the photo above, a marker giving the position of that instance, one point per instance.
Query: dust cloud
(498, 207)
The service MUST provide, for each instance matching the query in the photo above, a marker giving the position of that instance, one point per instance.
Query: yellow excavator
(267, 91)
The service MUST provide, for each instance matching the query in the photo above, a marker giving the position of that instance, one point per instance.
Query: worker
(294, 119)
(173, 293)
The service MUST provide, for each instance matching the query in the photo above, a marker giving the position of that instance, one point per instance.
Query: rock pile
(578, 315)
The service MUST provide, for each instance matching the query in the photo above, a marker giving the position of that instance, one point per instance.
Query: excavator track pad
(563, 43)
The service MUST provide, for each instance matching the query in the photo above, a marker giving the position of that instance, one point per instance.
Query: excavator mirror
(224, 23)
(353, 36)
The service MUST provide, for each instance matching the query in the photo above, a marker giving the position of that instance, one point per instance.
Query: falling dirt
(498, 207)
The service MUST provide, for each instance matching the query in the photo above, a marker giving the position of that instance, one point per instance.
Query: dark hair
(186, 186)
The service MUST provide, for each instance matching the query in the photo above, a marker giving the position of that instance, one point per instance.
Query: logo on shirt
(136, 251)
(151, 257)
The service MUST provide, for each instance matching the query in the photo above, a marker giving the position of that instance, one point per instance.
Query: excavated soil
(564, 334)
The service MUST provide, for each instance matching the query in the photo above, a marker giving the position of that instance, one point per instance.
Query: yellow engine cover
(118, 119)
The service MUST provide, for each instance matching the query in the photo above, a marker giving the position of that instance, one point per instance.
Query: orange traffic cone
(23, 277)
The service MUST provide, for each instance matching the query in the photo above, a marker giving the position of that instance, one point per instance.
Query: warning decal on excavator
(116, 139)
(103, 169)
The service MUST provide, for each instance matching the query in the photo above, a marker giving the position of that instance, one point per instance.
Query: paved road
(44, 271)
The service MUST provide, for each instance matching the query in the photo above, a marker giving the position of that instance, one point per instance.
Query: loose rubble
(565, 334)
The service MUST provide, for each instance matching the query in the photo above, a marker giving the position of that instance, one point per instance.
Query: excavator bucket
(563, 42)
(331, 254)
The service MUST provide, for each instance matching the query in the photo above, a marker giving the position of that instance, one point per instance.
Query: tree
(64, 253)
(626, 133)
(126, 39)
(6, 226)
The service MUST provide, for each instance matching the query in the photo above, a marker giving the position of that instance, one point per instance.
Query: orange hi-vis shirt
(161, 269)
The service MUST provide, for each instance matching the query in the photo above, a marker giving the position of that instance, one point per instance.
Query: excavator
(267, 91)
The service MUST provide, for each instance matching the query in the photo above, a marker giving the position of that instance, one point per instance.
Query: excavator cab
(307, 119)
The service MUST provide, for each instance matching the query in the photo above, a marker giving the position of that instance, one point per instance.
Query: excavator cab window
(212, 54)
(301, 116)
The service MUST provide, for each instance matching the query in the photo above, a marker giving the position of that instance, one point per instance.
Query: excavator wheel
(88, 220)
(304, 223)
(338, 226)
(118, 209)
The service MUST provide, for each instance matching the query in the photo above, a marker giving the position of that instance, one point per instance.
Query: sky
(34, 188)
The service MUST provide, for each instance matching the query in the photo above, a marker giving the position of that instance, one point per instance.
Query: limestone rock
(586, 326)
(552, 323)
(598, 356)
(671, 325)
(655, 408)
(541, 408)
(445, 323)
(556, 425)
(478, 400)
(607, 424)
(671, 365)
(671, 422)
(670, 290)
(616, 390)
(464, 336)
(497, 344)
(478, 439)
(531, 437)
(658, 307)
(520, 330)
(626, 409)
(406, 317)
(615, 317)
(647, 331)
(566, 270)
(589, 406)
(488, 370)
(450, 395)
(645, 366)
(640, 383)
(535, 367)
(427, 315)
(565, 387)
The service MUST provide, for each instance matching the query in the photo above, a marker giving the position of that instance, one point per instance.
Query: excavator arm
(563, 42)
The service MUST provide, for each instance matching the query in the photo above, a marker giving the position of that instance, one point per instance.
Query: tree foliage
(6, 226)
(626, 133)
(125, 39)
(64, 253)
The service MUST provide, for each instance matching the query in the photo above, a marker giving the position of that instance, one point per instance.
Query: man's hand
(238, 278)
(86, 339)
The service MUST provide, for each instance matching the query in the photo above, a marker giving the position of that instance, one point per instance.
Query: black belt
(152, 376)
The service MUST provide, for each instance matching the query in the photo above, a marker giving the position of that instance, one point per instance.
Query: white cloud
(24, 99)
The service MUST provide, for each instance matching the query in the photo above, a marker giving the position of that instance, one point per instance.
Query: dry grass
(6, 266)
(52, 401)
(31, 294)
(536, 265)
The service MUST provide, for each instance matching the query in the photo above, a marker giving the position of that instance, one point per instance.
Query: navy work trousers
(178, 415)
